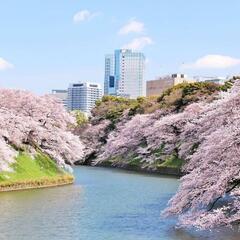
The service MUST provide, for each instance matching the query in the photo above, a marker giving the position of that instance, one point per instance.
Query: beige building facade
(158, 86)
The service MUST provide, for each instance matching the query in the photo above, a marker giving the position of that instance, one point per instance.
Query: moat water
(103, 204)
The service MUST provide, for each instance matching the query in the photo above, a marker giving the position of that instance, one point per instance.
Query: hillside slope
(33, 172)
(145, 134)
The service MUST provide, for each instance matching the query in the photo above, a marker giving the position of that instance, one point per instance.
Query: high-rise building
(128, 77)
(109, 82)
(62, 95)
(82, 96)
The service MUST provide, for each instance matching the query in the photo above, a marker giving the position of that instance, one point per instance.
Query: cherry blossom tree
(7, 155)
(209, 195)
(45, 109)
(207, 137)
(126, 138)
(32, 123)
(147, 133)
(93, 137)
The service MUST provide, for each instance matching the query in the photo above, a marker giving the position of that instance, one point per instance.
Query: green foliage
(112, 107)
(134, 162)
(185, 93)
(175, 98)
(80, 117)
(159, 152)
(115, 99)
(173, 162)
(227, 85)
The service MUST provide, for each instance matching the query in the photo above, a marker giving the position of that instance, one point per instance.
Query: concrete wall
(156, 87)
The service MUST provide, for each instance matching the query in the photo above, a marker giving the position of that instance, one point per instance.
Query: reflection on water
(223, 234)
(103, 204)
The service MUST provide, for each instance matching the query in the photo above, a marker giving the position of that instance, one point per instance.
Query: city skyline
(55, 43)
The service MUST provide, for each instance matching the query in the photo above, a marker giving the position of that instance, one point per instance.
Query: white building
(181, 78)
(215, 79)
(82, 96)
(62, 95)
(128, 78)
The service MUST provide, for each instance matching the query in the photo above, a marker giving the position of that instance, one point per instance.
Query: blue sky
(46, 44)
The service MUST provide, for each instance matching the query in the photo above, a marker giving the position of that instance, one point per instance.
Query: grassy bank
(37, 172)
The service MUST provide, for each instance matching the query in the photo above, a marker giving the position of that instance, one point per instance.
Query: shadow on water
(220, 234)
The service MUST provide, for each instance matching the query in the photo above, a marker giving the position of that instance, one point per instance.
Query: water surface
(103, 204)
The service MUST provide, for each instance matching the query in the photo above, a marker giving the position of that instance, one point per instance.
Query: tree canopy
(31, 123)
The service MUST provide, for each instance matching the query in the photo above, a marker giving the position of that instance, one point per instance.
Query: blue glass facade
(111, 82)
(128, 70)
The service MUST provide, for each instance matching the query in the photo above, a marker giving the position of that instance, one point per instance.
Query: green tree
(81, 118)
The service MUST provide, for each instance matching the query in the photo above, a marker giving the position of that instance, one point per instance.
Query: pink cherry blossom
(30, 122)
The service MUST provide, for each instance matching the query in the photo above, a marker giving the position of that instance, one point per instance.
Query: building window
(111, 81)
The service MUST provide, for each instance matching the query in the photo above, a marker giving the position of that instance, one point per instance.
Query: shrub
(80, 117)
(183, 94)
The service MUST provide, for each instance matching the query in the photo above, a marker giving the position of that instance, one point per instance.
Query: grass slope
(172, 162)
(31, 172)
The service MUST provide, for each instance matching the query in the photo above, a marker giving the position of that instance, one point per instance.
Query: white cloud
(132, 26)
(213, 61)
(4, 65)
(138, 43)
(84, 15)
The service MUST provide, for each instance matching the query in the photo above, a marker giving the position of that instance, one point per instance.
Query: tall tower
(109, 82)
(129, 74)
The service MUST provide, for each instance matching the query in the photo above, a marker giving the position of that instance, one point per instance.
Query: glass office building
(128, 77)
(109, 82)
